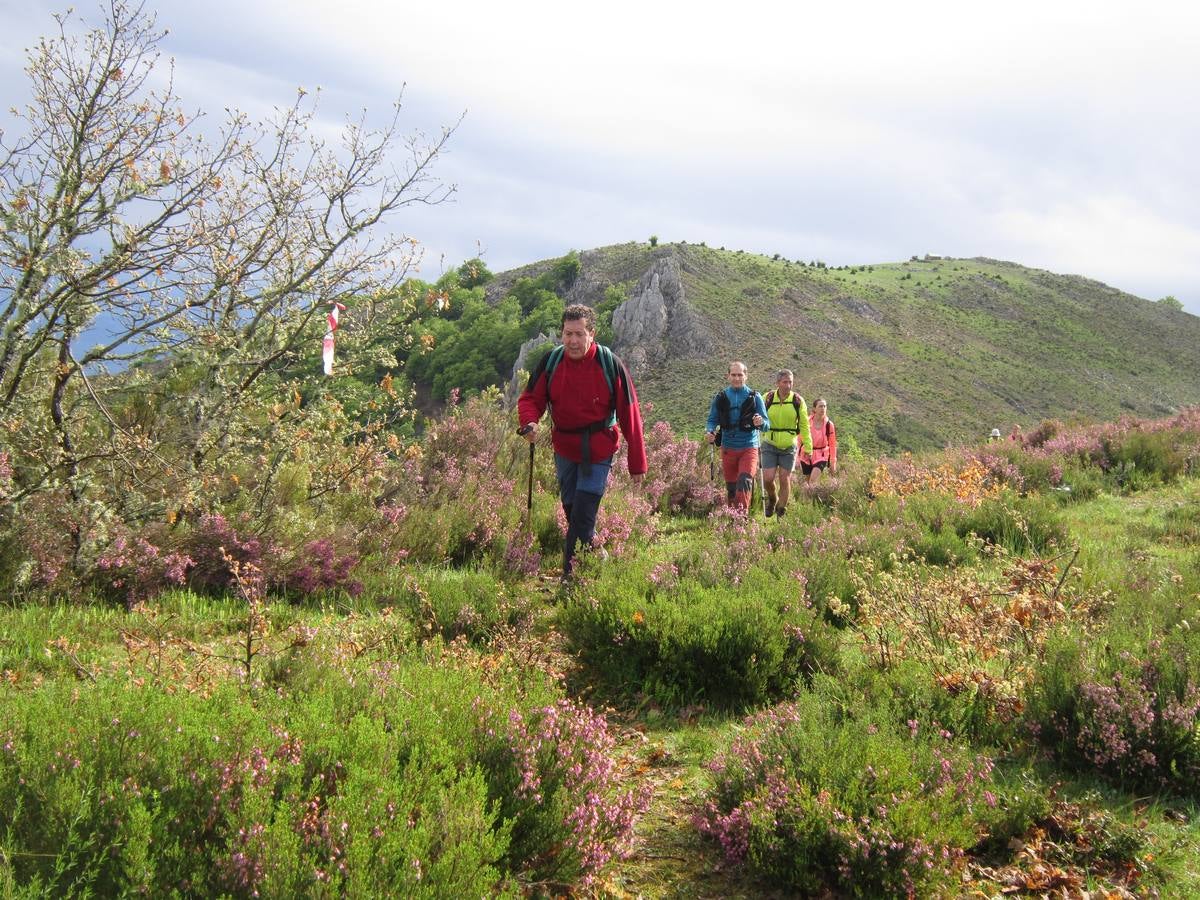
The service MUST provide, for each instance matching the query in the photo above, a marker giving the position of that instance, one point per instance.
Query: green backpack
(608, 363)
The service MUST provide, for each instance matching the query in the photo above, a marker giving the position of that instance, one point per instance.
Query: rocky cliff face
(653, 326)
(656, 323)
(524, 363)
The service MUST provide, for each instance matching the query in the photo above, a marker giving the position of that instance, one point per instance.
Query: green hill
(911, 355)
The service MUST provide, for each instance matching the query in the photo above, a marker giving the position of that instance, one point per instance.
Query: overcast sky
(1057, 135)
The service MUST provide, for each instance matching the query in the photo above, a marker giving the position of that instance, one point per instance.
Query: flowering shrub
(137, 566)
(1003, 471)
(625, 518)
(740, 539)
(37, 544)
(134, 568)
(815, 804)
(1161, 448)
(455, 494)
(1038, 437)
(552, 771)
(403, 775)
(677, 481)
(1135, 722)
(320, 567)
(212, 543)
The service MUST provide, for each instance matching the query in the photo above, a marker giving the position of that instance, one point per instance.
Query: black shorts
(807, 468)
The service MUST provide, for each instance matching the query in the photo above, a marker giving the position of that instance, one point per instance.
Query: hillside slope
(911, 355)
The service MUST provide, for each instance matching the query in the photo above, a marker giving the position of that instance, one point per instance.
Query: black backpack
(745, 420)
(771, 398)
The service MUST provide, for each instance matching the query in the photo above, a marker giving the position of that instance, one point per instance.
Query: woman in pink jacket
(824, 443)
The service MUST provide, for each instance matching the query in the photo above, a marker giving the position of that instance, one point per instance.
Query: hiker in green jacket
(787, 415)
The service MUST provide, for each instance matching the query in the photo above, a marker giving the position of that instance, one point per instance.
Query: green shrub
(928, 524)
(1147, 457)
(943, 548)
(454, 602)
(724, 647)
(152, 793)
(813, 803)
(395, 779)
(1079, 483)
(1181, 523)
(1025, 526)
(1038, 473)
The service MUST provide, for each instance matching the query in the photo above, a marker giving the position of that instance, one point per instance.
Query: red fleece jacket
(578, 395)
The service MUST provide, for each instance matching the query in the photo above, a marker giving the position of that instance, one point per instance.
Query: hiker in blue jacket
(737, 417)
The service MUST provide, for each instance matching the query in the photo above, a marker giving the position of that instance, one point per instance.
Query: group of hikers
(768, 433)
(590, 394)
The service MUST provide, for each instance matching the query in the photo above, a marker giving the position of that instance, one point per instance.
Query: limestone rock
(525, 362)
(656, 323)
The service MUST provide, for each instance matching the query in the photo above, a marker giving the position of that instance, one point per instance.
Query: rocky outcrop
(525, 362)
(859, 307)
(656, 323)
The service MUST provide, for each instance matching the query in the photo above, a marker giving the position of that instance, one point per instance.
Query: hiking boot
(780, 511)
(770, 511)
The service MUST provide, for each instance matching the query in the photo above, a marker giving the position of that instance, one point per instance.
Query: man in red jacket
(574, 382)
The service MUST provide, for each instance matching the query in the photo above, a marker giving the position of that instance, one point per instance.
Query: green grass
(1141, 550)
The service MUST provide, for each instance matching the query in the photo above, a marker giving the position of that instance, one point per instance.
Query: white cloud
(1054, 134)
(1108, 237)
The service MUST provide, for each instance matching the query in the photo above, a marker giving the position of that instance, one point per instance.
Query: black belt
(585, 464)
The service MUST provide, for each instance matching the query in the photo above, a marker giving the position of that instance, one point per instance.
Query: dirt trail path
(670, 858)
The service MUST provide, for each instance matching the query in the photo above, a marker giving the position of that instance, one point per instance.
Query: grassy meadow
(973, 673)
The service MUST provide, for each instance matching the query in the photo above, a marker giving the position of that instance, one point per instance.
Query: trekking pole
(712, 460)
(529, 492)
(762, 493)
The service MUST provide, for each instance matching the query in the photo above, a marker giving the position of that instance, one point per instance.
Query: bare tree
(216, 251)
